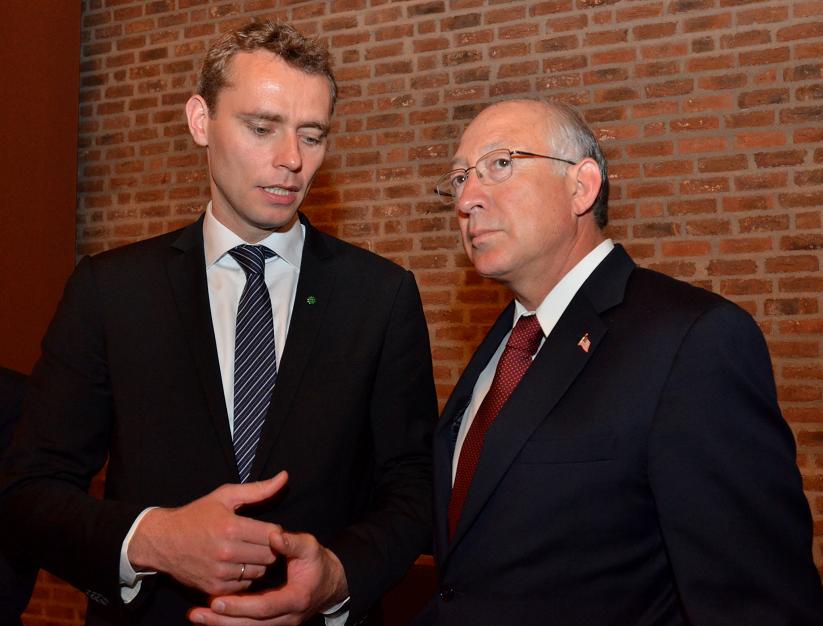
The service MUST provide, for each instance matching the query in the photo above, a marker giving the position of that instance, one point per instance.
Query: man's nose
(472, 194)
(287, 153)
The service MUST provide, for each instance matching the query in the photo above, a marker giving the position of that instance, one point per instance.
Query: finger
(292, 545)
(209, 617)
(235, 496)
(270, 604)
(240, 572)
(265, 608)
(250, 554)
(229, 586)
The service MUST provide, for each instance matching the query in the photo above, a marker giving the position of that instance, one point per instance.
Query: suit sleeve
(379, 548)
(45, 510)
(722, 467)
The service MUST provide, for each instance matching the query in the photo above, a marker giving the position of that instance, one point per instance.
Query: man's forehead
(504, 126)
(465, 154)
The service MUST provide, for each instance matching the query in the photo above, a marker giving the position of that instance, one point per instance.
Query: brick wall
(710, 112)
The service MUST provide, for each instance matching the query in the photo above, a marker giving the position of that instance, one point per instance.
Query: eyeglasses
(492, 168)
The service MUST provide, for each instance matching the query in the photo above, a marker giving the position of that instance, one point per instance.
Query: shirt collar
(555, 303)
(218, 240)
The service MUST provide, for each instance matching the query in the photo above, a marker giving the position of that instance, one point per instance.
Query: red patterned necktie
(515, 360)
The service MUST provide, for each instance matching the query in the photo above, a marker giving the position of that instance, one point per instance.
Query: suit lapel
(555, 368)
(446, 430)
(187, 276)
(560, 361)
(314, 291)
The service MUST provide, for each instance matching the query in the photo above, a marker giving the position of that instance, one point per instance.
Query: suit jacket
(648, 479)
(16, 577)
(129, 374)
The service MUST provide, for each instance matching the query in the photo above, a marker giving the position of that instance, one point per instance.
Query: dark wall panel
(39, 57)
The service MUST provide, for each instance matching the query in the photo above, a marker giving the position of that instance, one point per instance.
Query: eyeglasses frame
(514, 154)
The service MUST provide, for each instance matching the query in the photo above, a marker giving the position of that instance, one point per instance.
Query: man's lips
(280, 194)
(280, 190)
(478, 235)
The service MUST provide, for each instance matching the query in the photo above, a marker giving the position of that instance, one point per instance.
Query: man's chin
(279, 221)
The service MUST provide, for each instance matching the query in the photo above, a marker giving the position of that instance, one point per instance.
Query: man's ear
(197, 113)
(587, 185)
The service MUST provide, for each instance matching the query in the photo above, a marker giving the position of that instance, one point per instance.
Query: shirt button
(446, 594)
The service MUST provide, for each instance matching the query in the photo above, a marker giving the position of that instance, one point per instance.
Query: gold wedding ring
(242, 571)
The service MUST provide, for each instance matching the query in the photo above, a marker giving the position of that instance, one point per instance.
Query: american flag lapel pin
(585, 343)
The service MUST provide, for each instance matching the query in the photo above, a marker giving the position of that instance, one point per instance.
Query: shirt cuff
(338, 614)
(130, 579)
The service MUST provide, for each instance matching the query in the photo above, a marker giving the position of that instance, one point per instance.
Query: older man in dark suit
(613, 453)
(213, 364)
(16, 578)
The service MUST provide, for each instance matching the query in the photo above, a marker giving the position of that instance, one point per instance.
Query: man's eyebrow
(459, 163)
(323, 128)
(261, 116)
(279, 119)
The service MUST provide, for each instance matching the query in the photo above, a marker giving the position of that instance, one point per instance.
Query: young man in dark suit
(613, 453)
(263, 392)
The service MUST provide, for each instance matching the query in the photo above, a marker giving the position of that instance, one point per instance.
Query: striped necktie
(255, 361)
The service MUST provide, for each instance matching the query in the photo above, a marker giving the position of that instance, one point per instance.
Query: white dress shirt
(548, 312)
(226, 280)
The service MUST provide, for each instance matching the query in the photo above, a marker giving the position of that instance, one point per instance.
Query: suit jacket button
(446, 594)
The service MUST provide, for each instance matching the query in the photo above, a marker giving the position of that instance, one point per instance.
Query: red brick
(800, 31)
(745, 286)
(745, 245)
(802, 242)
(795, 263)
(722, 163)
(764, 223)
(655, 31)
(722, 81)
(662, 229)
(761, 139)
(694, 124)
(731, 267)
(649, 190)
(713, 103)
(765, 57)
(746, 203)
(790, 306)
(709, 63)
(709, 227)
(702, 145)
(704, 185)
(779, 159)
(717, 21)
(801, 114)
(687, 248)
(668, 168)
(678, 269)
(803, 372)
(670, 88)
(794, 200)
(554, 6)
(763, 180)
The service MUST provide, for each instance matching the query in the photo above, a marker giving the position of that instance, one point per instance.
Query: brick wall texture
(709, 111)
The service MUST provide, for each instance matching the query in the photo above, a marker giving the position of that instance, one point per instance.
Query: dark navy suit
(650, 479)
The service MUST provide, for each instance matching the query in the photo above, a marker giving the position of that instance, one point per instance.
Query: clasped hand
(206, 545)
